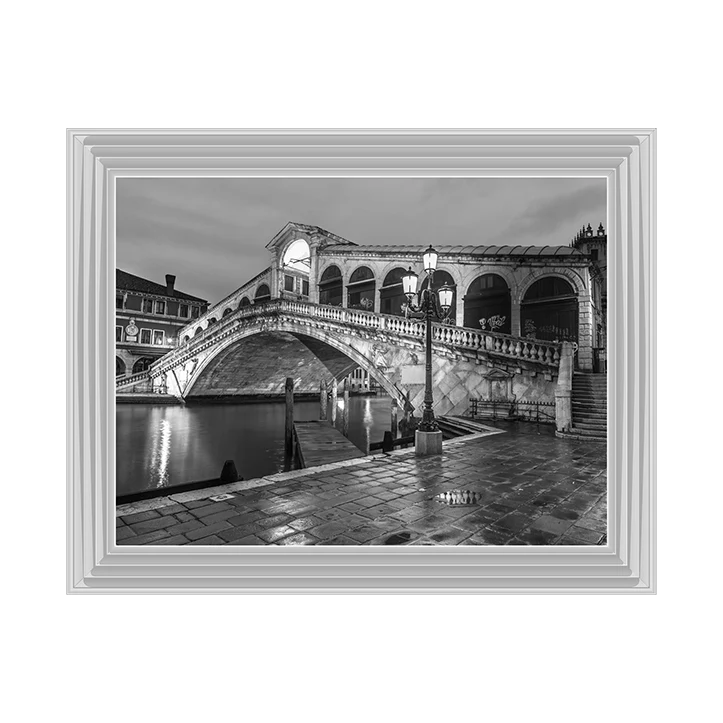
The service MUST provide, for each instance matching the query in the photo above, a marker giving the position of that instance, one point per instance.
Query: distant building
(148, 317)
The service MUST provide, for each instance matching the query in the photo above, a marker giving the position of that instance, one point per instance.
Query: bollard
(229, 473)
(394, 418)
(387, 442)
(322, 400)
(334, 395)
(345, 411)
(289, 430)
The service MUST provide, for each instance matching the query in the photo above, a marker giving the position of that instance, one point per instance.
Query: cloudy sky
(212, 233)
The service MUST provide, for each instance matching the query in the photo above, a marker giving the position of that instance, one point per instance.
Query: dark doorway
(360, 289)
(392, 293)
(330, 287)
(550, 311)
(488, 298)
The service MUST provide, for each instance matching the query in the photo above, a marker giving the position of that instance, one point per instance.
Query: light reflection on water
(158, 446)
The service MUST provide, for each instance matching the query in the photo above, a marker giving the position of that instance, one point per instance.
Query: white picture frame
(624, 157)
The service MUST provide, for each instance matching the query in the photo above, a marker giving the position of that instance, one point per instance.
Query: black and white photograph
(361, 361)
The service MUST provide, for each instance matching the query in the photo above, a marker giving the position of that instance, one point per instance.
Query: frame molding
(625, 158)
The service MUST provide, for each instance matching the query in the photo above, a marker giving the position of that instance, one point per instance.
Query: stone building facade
(148, 319)
(550, 293)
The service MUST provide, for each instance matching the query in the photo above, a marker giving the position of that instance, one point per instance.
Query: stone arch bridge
(252, 350)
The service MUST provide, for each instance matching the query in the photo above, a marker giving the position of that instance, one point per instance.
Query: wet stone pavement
(529, 489)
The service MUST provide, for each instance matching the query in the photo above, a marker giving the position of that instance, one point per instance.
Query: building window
(118, 302)
(288, 283)
(194, 312)
(145, 336)
(160, 307)
(147, 306)
(158, 337)
(305, 287)
(119, 333)
(593, 254)
(183, 310)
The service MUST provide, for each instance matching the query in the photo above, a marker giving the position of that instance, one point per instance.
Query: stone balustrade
(532, 350)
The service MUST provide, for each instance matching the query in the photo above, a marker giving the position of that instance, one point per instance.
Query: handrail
(534, 350)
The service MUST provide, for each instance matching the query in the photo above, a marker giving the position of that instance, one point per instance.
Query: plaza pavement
(532, 488)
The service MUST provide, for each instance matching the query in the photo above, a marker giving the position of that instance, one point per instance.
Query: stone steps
(589, 407)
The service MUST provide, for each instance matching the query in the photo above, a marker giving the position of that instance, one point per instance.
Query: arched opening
(360, 289)
(199, 329)
(120, 367)
(212, 321)
(550, 310)
(296, 264)
(263, 294)
(142, 364)
(488, 298)
(330, 287)
(245, 301)
(392, 298)
(228, 311)
(440, 279)
(186, 339)
(297, 257)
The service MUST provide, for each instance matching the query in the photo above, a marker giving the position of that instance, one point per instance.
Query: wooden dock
(320, 443)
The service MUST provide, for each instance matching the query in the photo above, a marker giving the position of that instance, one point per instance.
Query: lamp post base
(426, 443)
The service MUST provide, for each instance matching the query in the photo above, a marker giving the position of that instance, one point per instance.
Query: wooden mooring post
(345, 410)
(289, 429)
(323, 401)
(334, 395)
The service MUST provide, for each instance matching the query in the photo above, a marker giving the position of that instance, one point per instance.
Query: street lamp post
(428, 437)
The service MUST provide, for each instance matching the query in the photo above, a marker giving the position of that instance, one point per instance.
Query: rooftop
(461, 250)
(130, 282)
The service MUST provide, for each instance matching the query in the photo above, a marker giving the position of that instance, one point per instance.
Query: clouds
(211, 233)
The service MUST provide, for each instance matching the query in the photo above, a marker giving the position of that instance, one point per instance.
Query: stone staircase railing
(132, 379)
(541, 352)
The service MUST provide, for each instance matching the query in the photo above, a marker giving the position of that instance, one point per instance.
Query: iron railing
(539, 412)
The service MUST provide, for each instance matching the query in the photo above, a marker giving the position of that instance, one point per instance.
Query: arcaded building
(550, 293)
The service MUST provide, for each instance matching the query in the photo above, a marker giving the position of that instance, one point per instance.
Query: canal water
(160, 446)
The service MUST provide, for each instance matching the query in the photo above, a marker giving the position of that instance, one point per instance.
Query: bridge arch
(549, 309)
(120, 367)
(355, 357)
(245, 301)
(227, 311)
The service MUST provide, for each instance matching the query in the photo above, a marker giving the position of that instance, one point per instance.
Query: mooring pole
(289, 431)
(345, 410)
(394, 418)
(322, 400)
(334, 395)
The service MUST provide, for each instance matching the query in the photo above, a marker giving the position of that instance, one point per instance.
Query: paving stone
(206, 530)
(248, 540)
(211, 540)
(175, 540)
(300, 538)
(123, 533)
(171, 509)
(212, 509)
(140, 517)
(183, 527)
(273, 534)
(144, 539)
(157, 523)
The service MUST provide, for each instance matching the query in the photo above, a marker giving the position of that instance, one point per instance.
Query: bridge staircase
(589, 407)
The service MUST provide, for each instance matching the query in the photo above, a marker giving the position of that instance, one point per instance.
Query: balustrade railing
(542, 352)
(132, 378)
